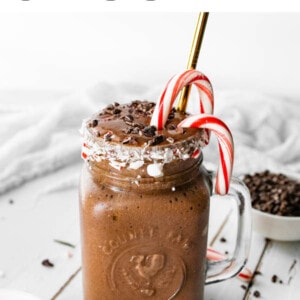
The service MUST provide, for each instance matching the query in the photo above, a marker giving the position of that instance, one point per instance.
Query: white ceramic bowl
(6, 294)
(276, 227)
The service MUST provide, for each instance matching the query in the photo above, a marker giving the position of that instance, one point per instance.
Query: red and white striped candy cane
(213, 255)
(172, 89)
(225, 140)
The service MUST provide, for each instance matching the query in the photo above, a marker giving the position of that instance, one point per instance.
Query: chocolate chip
(117, 111)
(149, 131)
(223, 240)
(256, 294)
(274, 193)
(172, 114)
(172, 127)
(274, 278)
(47, 263)
(94, 123)
(157, 140)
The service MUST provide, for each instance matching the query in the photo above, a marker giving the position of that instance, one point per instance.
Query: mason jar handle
(230, 267)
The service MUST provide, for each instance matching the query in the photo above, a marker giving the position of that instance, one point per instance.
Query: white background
(67, 51)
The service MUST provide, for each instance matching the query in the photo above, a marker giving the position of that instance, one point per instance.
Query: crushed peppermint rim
(121, 155)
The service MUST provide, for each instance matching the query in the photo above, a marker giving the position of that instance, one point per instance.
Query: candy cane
(213, 255)
(172, 89)
(225, 146)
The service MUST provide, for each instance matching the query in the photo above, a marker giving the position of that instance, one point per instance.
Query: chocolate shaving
(47, 263)
(149, 131)
(257, 273)
(135, 130)
(157, 140)
(128, 118)
(128, 130)
(108, 136)
(64, 243)
(292, 265)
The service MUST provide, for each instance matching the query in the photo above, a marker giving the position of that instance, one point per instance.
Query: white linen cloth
(42, 138)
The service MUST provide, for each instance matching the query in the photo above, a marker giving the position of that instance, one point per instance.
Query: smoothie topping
(122, 134)
(127, 143)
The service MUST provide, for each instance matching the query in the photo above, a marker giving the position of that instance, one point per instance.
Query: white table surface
(34, 215)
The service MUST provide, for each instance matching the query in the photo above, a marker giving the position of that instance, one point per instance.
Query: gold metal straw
(193, 56)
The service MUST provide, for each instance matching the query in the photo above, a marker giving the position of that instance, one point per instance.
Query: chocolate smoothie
(144, 204)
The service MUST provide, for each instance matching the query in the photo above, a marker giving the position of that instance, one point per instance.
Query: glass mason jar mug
(144, 221)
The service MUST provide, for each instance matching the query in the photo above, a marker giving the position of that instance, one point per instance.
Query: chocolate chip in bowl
(275, 205)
